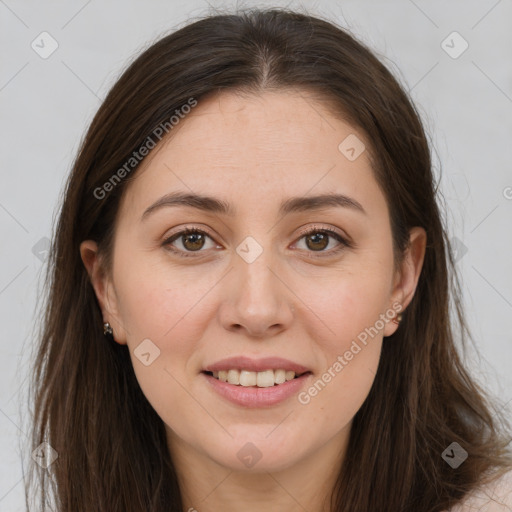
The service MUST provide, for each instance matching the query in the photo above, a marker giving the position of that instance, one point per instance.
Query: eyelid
(182, 230)
(343, 240)
(328, 229)
(169, 239)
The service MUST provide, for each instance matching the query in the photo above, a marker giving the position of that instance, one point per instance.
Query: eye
(317, 240)
(191, 240)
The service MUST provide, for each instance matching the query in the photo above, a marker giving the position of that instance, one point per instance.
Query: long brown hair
(88, 406)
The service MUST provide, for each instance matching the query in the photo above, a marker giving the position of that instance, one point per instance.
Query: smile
(253, 395)
(246, 378)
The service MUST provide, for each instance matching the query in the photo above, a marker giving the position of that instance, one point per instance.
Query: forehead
(286, 123)
(274, 144)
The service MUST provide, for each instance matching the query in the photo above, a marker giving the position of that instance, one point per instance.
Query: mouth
(251, 379)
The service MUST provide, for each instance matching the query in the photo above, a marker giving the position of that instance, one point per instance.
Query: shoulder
(493, 497)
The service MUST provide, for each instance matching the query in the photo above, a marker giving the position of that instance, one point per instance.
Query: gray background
(46, 105)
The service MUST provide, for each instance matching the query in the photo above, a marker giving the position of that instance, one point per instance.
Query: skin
(288, 303)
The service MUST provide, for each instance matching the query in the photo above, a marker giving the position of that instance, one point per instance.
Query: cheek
(160, 307)
(350, 312)
(346, 305)
(349, 358)
(335, 397)
(160, 302)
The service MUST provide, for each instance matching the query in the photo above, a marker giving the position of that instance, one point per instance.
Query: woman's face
(253, 283)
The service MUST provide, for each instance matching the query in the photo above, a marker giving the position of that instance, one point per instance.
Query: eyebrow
(214, 205)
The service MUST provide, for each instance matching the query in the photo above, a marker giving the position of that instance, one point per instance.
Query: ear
(103, 288)
(406, 278)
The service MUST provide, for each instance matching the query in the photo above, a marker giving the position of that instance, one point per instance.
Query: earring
(397, 319)
(107, 330)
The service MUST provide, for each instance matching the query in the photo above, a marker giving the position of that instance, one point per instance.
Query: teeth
(233, 376)
(280, 376)
(265, 379)
(251, 379)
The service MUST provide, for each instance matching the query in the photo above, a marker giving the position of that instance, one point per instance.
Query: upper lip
(256, 365)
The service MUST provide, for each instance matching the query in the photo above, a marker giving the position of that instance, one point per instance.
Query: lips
(254, 396)
(256, 365)
(243, 391)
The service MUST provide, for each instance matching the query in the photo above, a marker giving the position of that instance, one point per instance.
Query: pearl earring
(107, 330)
(397, 319)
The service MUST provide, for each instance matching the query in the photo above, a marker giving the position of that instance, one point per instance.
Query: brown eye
(317, 241)
(191, 240)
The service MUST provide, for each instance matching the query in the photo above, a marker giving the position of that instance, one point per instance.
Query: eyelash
(187, 231)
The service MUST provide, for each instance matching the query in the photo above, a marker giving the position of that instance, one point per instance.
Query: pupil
(198, 236)
(323, 238)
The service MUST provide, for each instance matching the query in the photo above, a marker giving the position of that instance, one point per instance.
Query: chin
(256, 453)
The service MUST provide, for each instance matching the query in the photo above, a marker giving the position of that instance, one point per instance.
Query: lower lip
(257, 397)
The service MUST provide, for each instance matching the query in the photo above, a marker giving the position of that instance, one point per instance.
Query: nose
(257, 300)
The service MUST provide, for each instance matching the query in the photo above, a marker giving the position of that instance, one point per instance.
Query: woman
(249, 290)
